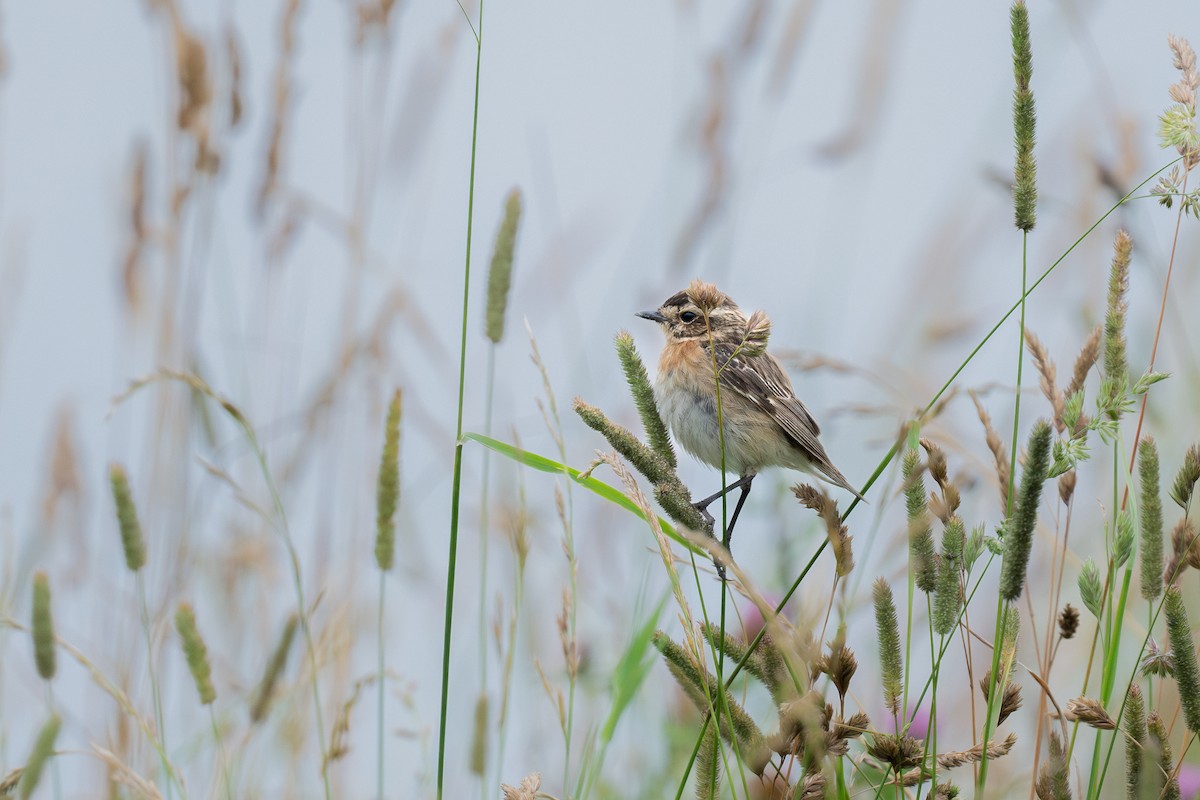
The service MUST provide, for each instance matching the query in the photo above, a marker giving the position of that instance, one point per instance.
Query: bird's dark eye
(688, 316)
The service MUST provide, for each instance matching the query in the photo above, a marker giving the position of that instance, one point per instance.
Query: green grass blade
(599, 487)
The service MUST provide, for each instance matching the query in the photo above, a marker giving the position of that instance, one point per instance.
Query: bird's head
(699, 311)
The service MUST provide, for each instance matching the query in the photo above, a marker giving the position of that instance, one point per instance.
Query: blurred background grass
(843, 167)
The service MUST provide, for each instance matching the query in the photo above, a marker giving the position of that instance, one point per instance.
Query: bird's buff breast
(686, 396)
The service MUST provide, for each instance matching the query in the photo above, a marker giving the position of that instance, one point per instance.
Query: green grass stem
(456, 488)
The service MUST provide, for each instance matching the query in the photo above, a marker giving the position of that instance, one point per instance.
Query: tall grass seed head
(1024, 122)
(1185, 480)
(1160, 780)
(947, 602)
(920, 524)
(1183, 647)
(643, 397)
(195, 652)
(1134, 724)
(387, 492)
(1150, 515)
(500, 272)
(43, 749)
(127, 519)
(42, 628)
(888, 629)
(1116, 366)
(1090, 589)
(645, 460)
(274, 668)
(1018, 544)
(1126, 535)
(1068, 621)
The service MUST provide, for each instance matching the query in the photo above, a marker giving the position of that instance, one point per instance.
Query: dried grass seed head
(1089, 712)
(1068, 621)
(1187, 477)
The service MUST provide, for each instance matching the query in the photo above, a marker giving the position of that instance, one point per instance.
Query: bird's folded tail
(831, 473)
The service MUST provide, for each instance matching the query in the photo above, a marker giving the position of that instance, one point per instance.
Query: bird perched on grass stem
(711, 343)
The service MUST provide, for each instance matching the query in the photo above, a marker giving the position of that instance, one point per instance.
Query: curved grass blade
(599, 487)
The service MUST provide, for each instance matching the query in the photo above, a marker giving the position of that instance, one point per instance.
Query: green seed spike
(387, 493)
(42, 626)
(643, 397)
(127, 519)
(1151, 548)
(195, 652)
(500, 271)
(1018, 542)
(1024, 122)
(888, 629)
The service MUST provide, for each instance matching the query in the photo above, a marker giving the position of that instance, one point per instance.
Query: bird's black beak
(653, 316)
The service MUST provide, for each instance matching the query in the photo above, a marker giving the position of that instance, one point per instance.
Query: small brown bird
(711, 342)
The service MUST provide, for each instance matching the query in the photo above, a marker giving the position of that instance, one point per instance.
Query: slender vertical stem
(54, 773)
(1162, 312)
(379, 714)
(996, 690)
(484, 535)
(458, 444)
(222, 763)
(158, 712)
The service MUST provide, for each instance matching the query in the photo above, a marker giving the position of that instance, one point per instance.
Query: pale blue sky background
(894, 256)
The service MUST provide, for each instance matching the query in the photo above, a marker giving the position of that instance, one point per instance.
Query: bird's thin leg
(744, 482)
(737, 510)
(703, 505)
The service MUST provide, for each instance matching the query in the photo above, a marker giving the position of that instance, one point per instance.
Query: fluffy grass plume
(708, 766)
(387, 492)
(624, 442)
(1135, 739)
(127, 519)
(266, 687)
(1183, 647)
(195, 652)
(479, 736)
(1024, 121)
(1161, 781)
(1090, 712)
(43, 749)
(1186, 478)
(1177, 125)
(1090, 589)
(996, 446)
(947, 600)
(839, 539)
(500, 271)
(920, 524)
(42, 627)
(1150, 549)
(888, 629)
(1054, 781)
(1010, 702)
(643, 397)
(1116, 365)
(1018, 540)
(701, 686)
